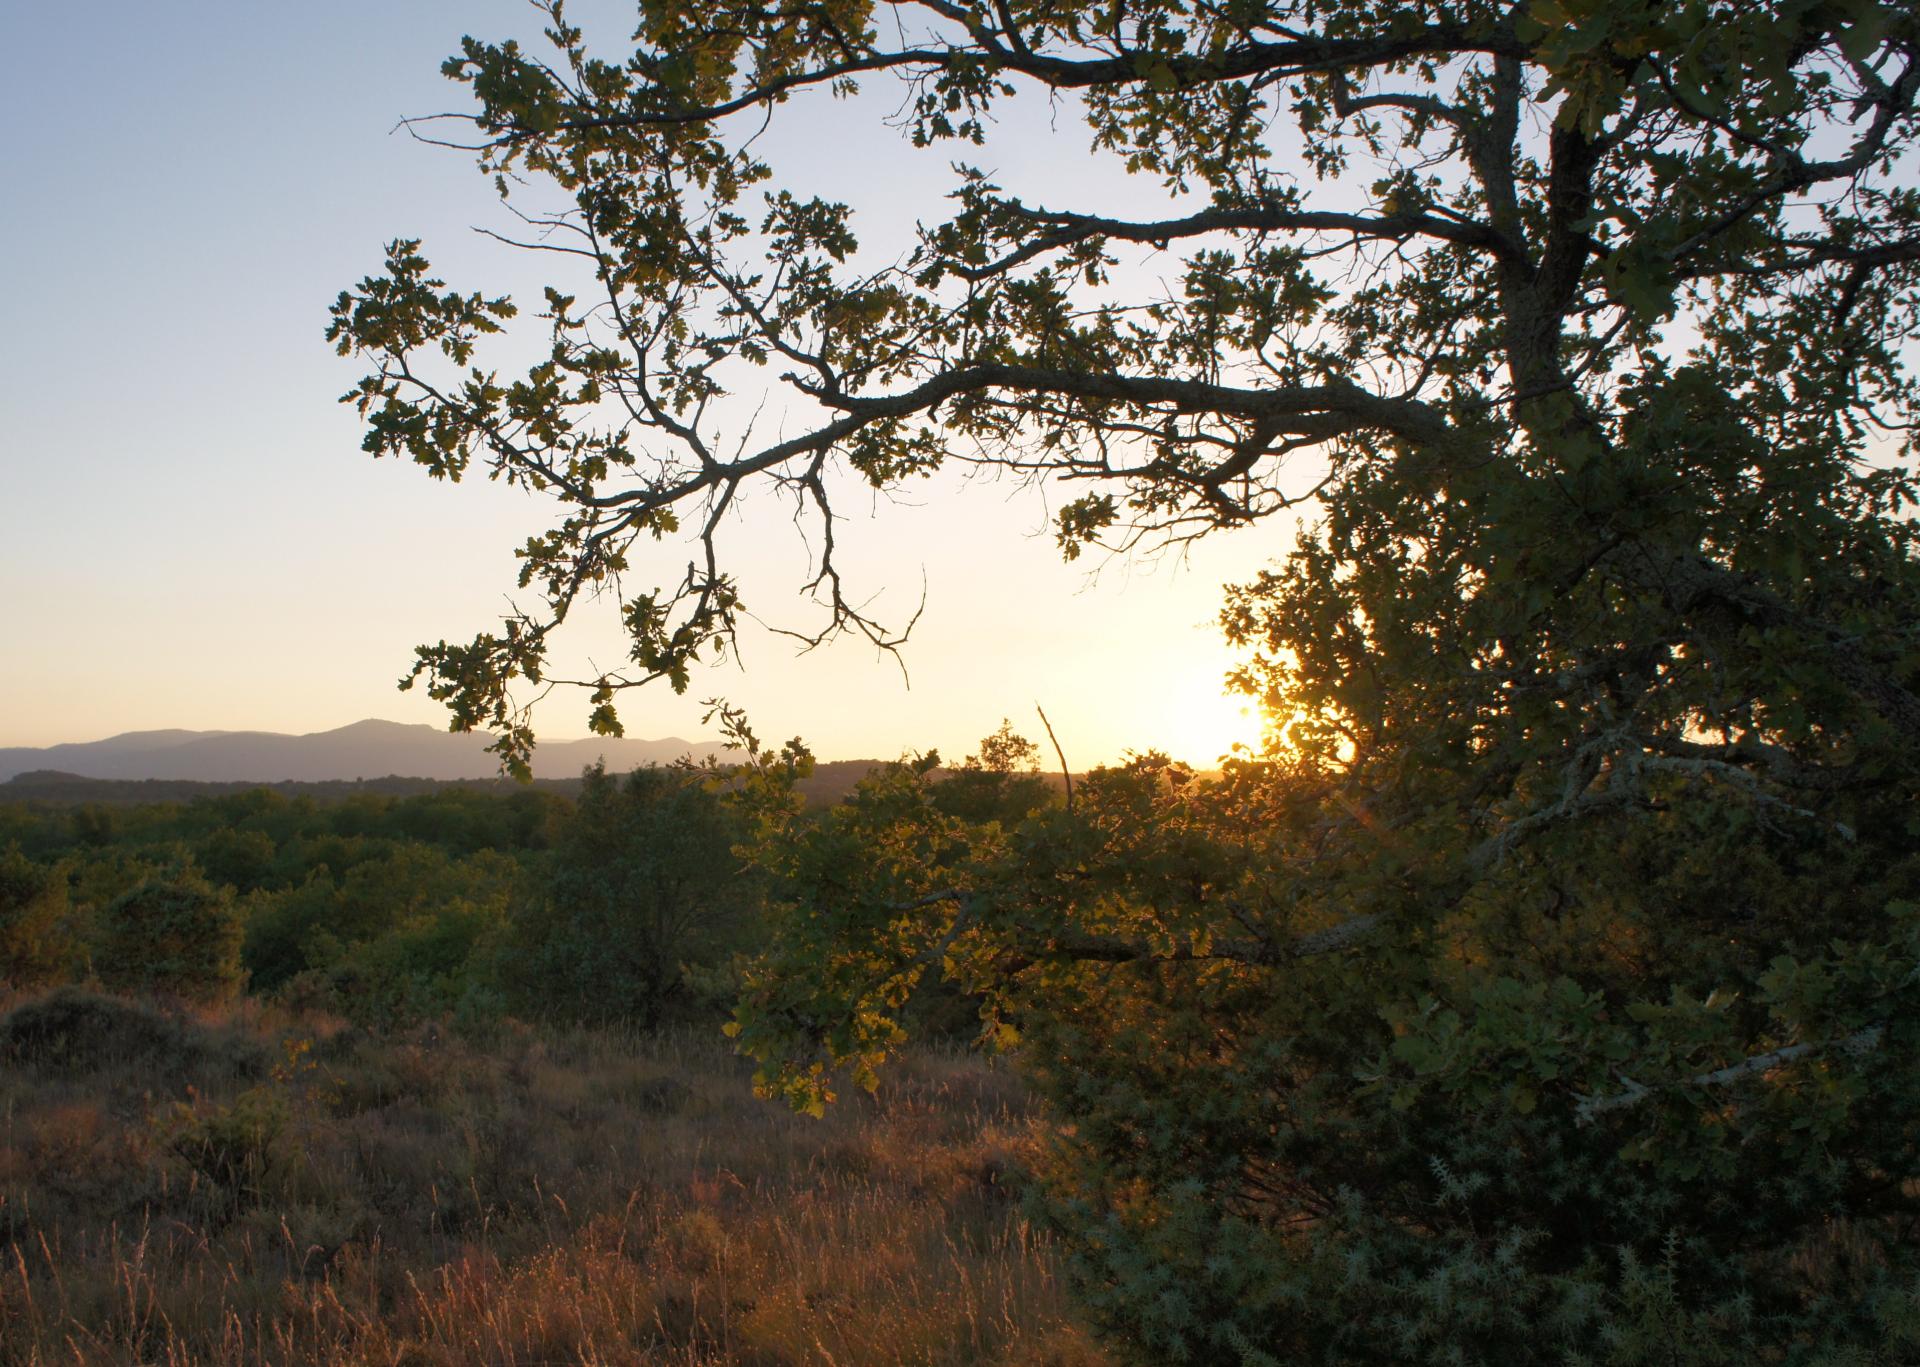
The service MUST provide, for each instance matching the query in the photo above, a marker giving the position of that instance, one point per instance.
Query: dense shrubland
(632, 902)
(387, 910)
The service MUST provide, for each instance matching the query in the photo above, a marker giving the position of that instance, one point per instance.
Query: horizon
(546, 743)
(322, 731)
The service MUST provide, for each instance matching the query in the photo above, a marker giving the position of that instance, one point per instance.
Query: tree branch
(1069, 229)
(1860, 1042)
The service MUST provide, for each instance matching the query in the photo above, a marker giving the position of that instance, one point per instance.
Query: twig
(1859, 1042)
(1065, 772)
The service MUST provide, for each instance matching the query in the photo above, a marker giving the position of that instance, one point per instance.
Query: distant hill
(366, 749)
(831, 781)
(54, 787)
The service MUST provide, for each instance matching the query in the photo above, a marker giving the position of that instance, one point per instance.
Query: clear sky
(190, 536)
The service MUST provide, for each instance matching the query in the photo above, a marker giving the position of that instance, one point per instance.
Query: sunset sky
(190, 536)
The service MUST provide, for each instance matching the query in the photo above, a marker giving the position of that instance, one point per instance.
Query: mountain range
(366, 749)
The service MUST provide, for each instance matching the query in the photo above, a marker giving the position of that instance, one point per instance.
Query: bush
(175, 935)
(420, 893)
(35, 943)
(1643, 1090)
(241, 859)
(429, 964)
(231, 1147)
(71, 1032)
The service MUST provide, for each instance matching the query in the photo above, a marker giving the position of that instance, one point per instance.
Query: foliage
(1001, 782)
(1322, 1107)
(1499, 286)
(240, 859)
(642, 880)
(175, 934)
(35, 940)
(231, 1146)
(1549, 987)
(94, 824)
(403, 891)
(259, 838)
(389, 910)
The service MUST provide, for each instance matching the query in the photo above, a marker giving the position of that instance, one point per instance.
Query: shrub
(35, 943)
(242, 859)
(232, 1146)
(74, 1032)
(409, 889)
(175, 935)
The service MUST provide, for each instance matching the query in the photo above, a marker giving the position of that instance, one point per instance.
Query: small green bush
(232, 1146)
(35, 943)
(175, 935)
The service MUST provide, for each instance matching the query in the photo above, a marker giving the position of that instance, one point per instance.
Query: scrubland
(257, 1186)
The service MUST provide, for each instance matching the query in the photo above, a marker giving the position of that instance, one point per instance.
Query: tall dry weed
(269, 1189)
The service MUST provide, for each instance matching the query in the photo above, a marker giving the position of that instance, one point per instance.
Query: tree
(642, 881)
(1000, 782)
(1548, 991)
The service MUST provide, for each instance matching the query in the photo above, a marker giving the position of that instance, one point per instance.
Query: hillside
(365, 749)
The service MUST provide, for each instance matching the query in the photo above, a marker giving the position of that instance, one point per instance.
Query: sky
(191, 537)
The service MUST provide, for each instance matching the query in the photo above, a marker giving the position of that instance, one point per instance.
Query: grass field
(261, 1188)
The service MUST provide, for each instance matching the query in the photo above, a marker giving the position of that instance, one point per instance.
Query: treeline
(56, 786)
(629, 899)
(828, 782)
(385, 909)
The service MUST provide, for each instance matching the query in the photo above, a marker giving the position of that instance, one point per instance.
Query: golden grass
(278, 1190)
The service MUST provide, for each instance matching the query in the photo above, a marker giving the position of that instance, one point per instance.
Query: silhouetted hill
(830, 782)
(362, 750)
(51, 786)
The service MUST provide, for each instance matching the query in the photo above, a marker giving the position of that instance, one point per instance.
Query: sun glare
(1202, 722)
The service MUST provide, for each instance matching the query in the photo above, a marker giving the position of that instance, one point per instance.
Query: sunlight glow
(1202, 722)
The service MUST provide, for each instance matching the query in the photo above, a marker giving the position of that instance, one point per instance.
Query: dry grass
(267, 1189)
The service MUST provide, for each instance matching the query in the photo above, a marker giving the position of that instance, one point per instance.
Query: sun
(1202, 722)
